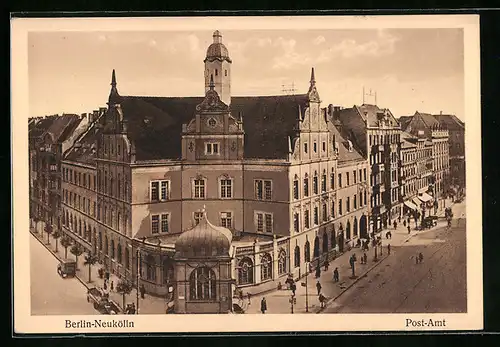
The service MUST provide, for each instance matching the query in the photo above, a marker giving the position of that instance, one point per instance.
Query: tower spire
(114, 97)
(313, 78)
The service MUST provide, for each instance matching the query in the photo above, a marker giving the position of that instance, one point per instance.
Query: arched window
(168, 271)
(325, 242)
(216, 72)
(282, 262)
(106, 245)
(266, 267)
(112, 249)
(150, 268)
(245, 271)
(355, 227)
(119, 253)
(348, 230)
(307, 251)
(203, 284)
(316, 247)
(297, 256)
(64, 218)
(127, 258)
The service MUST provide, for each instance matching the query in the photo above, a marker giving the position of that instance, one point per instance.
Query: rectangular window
(305, 147)
(306, 187)
(226, 220)
(155, 224)
(307, 224)
(354, 176)
(315, 184)
(165, 190)
(155, 191)
(226, 188)
(260, 222)
(332, 181)
(340, 180)
(333, 209)
(164, 223)
(269, 222)
(325, 213)
(316, 215)
(348, 205)
(324, 146)
(360, 175)
(263, 189)
(88, 206)
(323, 183)
(264, 222)
(84, 179)
(94, 211)
(347, 178)
(296, 222)
(199, 189)
(296, 189)
(212, 148)
(315, 147)
(355, 202)
(197, 217)
(95, 185)
(340, 206)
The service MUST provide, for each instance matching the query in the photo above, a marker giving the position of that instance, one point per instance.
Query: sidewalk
(278, 301)
(148, 305)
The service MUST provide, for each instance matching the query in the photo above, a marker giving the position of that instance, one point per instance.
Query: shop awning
(410, 205)
(425, 197)
(417, 202)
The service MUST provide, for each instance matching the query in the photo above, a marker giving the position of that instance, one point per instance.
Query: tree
(124, 288)
(66, 242)
(48, 229)
(77, 251)
(56, 235)
(90, 260)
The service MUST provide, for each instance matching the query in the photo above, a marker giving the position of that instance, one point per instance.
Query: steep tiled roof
(427, 118)
(451, 121)
(369, 114)
(341, 138)
(62, 126)
(83, 150)
(407, 140)
(267, 122)
(404, 121)
(41, 126)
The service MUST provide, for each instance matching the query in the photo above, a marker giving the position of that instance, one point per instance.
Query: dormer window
(212, 148)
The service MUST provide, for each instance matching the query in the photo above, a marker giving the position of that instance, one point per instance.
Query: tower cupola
(218, 68)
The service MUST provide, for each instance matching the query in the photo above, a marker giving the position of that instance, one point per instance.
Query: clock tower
(218, 69)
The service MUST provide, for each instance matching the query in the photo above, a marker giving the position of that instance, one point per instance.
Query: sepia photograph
(214, 174)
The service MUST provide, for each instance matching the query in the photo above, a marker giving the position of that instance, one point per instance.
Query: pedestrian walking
(112, 287)
(143, 291)
(409, 228)
(336, 275)
(399, 219)
(240, 296)
(365, 258)
(318, 271)
(318, 287)
(249, 296)
(420, 257)
(404, 223)
(293, 287)
(388, 249)
(263, 305)
(105, 285)
(322, 300)
(326, 264)
(395, 225)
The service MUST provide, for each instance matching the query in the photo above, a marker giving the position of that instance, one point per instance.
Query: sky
(409, 69)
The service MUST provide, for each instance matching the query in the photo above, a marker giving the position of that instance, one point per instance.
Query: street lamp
(307, 290)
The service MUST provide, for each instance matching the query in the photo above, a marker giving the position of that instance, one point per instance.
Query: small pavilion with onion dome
(203, 269)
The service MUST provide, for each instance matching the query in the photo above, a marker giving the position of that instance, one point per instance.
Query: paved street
(51, 294)
(399, 285)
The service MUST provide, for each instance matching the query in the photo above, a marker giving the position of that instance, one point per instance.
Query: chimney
(330, 111)
(102, 110)
(440, 113)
